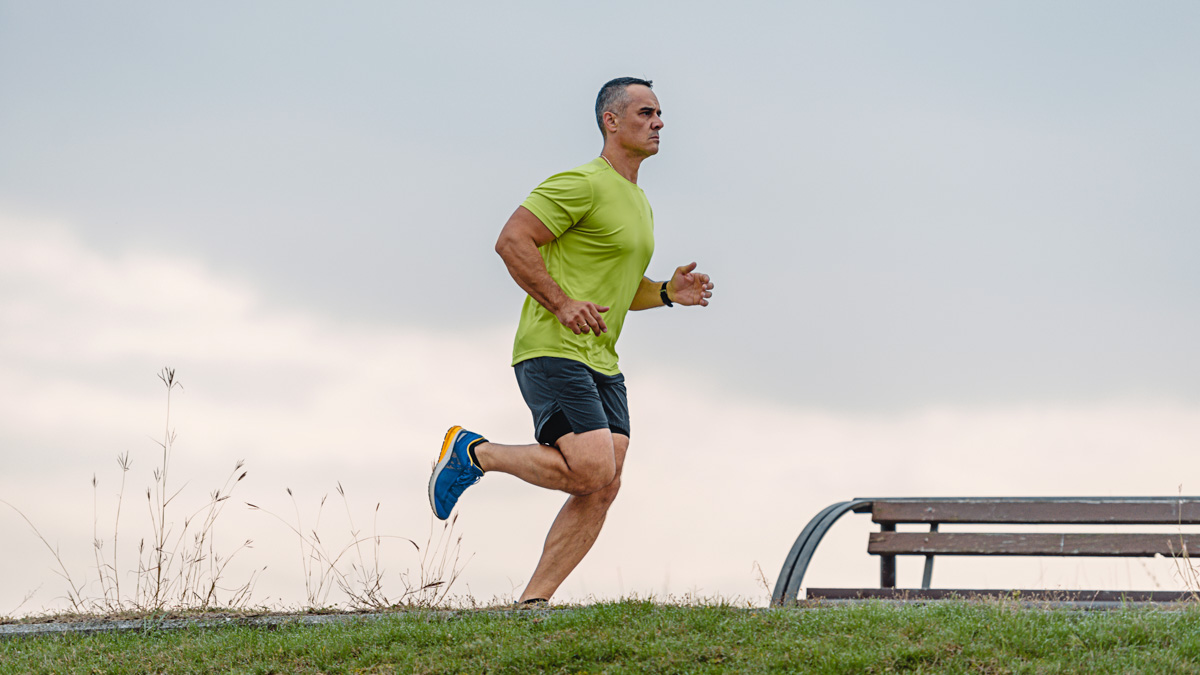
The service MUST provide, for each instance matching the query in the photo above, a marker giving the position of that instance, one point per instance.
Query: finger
(598, 323)
(579, 322)
(686, 268)
(703, 302)
(600, 308)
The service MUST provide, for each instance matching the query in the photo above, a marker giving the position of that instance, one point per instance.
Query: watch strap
(662, 293)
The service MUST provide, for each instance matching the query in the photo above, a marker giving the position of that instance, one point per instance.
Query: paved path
(105, 626)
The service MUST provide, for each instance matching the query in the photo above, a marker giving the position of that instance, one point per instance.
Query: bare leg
(574, 531)
(580, 465)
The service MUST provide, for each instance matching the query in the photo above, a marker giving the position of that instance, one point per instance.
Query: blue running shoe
(454, 472)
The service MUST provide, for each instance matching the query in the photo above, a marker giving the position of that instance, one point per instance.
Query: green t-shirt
(604, 237)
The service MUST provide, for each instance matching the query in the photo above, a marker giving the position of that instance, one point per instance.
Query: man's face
(638, 125)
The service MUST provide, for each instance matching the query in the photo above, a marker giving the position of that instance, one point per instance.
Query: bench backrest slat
(1182, 511)
(968, 543)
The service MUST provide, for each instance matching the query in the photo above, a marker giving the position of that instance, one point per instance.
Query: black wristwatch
(662, 293)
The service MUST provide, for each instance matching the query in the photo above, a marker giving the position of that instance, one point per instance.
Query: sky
(952, 245)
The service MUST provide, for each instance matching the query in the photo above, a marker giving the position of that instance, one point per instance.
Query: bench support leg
(887, 563)
(927, 577)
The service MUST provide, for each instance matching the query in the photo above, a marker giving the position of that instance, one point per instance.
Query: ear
(610, 121)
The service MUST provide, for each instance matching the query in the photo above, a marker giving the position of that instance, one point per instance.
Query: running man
(579, 246)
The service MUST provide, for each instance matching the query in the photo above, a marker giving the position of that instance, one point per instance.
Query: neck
(623, 162)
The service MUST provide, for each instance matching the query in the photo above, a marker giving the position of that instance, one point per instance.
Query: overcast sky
(906, 207)
(902, 203)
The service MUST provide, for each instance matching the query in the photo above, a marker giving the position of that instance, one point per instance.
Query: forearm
(528, 269)
(648, 296)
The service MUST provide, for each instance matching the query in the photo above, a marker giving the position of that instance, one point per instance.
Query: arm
(518, 247)
(686, 287)
(647, 295)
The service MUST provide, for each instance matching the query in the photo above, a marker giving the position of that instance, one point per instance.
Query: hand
(689, 288)
(581, 316)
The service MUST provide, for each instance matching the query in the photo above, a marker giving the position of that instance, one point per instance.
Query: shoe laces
(466, 479)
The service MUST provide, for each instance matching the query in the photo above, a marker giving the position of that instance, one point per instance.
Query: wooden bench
(1123, 512)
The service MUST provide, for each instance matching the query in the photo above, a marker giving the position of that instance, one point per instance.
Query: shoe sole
(443, 460)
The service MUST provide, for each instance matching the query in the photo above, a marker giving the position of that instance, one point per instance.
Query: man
(579, 246)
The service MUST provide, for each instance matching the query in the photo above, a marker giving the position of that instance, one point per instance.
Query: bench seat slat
(964, 543)
(1183, 511)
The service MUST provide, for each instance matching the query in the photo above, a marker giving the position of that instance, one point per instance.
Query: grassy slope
(644, 637)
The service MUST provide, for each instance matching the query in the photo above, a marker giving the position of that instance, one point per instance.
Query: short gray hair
(614, 98)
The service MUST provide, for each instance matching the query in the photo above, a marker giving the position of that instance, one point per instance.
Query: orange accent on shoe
(448, 442)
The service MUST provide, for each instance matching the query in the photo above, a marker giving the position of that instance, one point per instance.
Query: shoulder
(571, 186)
(581, 174)
(564, 198)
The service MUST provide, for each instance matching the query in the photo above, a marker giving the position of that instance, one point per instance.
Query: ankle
(473, 451)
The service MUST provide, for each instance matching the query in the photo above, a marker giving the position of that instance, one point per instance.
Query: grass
(639, 636)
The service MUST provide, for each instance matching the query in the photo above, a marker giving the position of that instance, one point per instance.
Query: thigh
(595, 446)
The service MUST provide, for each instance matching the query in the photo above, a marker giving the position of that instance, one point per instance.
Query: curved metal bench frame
(787, 587)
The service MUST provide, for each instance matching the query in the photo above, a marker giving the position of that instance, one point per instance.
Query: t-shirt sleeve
(561, 201)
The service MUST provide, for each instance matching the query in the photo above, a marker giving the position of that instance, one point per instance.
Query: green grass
(634, 636)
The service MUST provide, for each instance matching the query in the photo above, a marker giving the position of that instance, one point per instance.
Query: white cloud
(713, 483)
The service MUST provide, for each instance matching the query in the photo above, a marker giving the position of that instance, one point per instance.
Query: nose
(658, 123)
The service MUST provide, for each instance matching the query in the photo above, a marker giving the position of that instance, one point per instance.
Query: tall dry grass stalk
(182, 569)
(75, 592)
(760, 577)
(179, 570)
(440, 566)
(354, 566)
(1186, 570)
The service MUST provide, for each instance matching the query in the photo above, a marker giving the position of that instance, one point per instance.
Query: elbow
(502, 245)
(510, 248)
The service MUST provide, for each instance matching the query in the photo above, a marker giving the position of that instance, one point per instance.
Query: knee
(608, 493)
(593, 476)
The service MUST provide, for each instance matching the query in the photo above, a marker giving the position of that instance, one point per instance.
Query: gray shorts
(566, 396)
